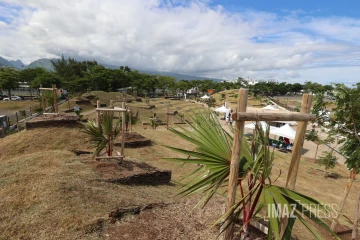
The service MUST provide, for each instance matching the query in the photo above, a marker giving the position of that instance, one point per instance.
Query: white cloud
(180, 36)
(292, 74)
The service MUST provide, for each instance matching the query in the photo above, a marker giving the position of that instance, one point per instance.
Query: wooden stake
(111, 103)
(354, 235)
(98, 114)
(17, 122)
(42, 98)
(130, 116)
(123, 131)
(55, 98)
(3, 131)
(30, 112)
(235, 161)
(110, 109)
(167, 116)
(68, 100)
(298, 143)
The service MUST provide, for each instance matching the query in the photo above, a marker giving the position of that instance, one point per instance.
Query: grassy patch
(19, 105)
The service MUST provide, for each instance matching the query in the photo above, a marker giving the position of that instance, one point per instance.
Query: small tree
(314, 137)
(153, 121)
(223, 96)
(101, 137)
(328, 160)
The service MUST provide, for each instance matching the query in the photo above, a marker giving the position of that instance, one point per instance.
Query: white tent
(221, 109)
(285, 131)
(263, 126)
(205, 97)
(270, 107)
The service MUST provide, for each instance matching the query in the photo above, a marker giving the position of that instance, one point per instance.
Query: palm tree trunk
(345, 195)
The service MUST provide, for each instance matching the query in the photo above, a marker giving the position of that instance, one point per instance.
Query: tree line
(80, 77)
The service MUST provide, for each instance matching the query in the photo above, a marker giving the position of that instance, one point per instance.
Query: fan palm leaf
(100, 137)
(213, 146)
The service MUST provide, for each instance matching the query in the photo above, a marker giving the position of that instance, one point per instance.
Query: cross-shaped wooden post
(54, 92)
(240, 117)
(122, 110)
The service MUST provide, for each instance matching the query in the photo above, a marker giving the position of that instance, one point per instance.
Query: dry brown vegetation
(18, 105)
(47, 192)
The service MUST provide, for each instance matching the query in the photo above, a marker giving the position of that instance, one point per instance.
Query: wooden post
(354, 234)
(42, 98)
(167, 116)
(30, 112)
(130, 116)
(235, 160)
(298, 143)
(54, 97)
(2, 131)
(123, 130)
(17, 122)
(111, 103)
(68, 100)
(98, 114)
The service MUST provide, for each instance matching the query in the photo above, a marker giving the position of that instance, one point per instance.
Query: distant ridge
(42, 63)
(5, 63)
(46, 64)
(17, 64)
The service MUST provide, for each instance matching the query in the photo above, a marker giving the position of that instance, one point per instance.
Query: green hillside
(42, 63)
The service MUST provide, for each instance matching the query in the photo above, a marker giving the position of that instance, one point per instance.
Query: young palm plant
(103, 136)
(213, 146)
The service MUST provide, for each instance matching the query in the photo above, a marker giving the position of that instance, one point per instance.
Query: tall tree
(346, 121)
(9, 79)
(165, 82)
(46, 79)
(28, 75)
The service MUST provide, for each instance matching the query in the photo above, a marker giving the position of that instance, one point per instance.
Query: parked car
(13, 98)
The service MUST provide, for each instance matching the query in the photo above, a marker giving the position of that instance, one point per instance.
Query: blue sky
(292, 41)
(348, 8)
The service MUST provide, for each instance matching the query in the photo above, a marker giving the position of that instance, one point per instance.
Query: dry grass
(232, 101)
(19, 105)
(72, 103)
(107, 96)
(50, 193)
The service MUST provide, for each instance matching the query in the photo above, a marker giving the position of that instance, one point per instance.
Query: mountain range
(46, 64)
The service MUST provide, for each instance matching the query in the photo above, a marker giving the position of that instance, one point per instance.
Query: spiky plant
(213, 147)
(103, 136)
